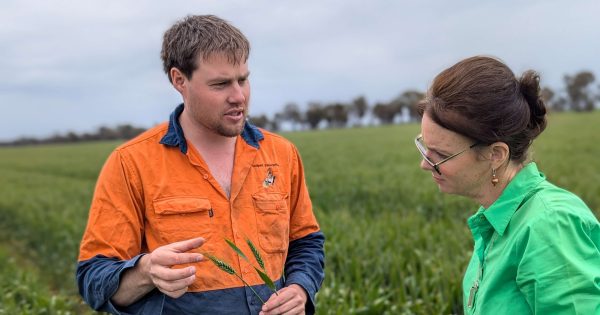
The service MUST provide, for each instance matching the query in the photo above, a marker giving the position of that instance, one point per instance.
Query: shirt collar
(175, 137)
(516, 192)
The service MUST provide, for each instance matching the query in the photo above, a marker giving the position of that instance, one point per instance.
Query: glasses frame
(436, 166)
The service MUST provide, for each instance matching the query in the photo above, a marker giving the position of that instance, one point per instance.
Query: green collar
(520, 188)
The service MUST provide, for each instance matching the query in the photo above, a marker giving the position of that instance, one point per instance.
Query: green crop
(395, 245)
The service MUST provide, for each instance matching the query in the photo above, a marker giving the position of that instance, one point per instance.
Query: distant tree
(106, 133)
(385, 112)
(336, 115)
(273, 125)
(580, 95)
(89, 137)
(315, 114)
(359, 107)
(547, 94)
(291, 113)
(22, 141)
(121, 132)
(277, 119)
(260, 121)
(127, 131)
(409, 99)
(557, 104)
(72, 137)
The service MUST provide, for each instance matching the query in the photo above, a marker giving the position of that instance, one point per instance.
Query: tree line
(120, 132)
(579, 94)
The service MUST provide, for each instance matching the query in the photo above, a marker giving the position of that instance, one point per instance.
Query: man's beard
(231, 131)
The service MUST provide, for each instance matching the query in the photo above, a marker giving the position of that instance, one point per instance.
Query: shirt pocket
(182, 218)
(272, 220)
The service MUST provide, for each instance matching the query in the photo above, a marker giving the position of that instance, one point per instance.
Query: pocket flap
(270, 200)
(178, 205)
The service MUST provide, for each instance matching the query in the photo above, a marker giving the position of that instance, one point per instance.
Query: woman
(537, 246)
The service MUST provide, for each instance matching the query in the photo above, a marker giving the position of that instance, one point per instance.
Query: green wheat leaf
(267, 280)
(237, 250)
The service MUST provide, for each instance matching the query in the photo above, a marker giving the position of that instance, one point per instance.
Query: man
(175, 193)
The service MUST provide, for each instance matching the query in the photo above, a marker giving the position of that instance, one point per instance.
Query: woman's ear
(499, 154)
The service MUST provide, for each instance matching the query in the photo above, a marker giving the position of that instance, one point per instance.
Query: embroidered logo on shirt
(270, 179)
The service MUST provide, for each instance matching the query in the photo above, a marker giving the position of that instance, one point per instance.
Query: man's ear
(178, 79)
(499, 154)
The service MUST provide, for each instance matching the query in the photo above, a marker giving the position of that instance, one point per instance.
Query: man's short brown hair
(201, 35)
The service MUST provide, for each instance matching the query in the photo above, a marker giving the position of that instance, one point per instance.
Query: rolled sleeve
(98, 279)
(305, 266)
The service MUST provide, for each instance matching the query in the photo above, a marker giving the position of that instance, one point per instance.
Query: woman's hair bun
(530, 89)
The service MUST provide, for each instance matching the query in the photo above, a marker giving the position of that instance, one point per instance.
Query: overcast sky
(77, 65)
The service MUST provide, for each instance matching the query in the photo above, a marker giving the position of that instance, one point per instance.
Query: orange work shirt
(156, 189)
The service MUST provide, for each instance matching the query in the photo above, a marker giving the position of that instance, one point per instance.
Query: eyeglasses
(436, 156)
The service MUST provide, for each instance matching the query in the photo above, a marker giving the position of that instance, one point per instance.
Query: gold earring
(494, 178)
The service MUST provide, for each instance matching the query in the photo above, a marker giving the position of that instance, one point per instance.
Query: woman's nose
(425, 166)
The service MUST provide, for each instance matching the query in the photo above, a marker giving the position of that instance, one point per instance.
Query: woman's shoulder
(551, 205)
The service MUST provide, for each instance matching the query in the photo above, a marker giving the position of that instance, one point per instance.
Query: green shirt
(537, 251)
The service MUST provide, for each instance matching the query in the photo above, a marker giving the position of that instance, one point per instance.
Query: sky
(78, 65)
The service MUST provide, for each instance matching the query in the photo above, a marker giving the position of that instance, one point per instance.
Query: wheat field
(395, 245)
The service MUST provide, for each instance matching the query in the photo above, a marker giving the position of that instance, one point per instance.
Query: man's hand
(171, 281)
(289, 301)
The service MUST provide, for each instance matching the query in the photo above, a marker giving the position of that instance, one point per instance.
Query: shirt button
(205, 176)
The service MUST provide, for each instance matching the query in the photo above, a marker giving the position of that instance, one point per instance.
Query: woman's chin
(444, 188)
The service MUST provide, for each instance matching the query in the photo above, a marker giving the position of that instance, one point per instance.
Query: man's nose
(237, 95)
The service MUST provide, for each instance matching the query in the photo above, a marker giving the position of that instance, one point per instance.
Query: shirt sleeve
(112, 240)
(305, 266)
(559, 272)
(116, 218)
(305, 259)
(98, 280)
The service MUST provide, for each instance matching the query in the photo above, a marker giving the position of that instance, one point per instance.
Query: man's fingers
(169, 274)
(174, 294)
(187, 245)
(174, 286)
(289, 307)
(187, 258)
(275, 302)
(283, 308)
(165, 258)
(299, 309)
(291, 300)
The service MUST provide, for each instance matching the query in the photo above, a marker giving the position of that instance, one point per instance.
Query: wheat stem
(249, 286)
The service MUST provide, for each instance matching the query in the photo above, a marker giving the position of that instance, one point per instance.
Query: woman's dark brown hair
(480, 98)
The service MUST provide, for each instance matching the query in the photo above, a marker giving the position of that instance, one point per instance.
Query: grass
(395, 245)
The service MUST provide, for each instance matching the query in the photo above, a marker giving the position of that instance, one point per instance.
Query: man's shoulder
(271, 138)
(148, 138)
